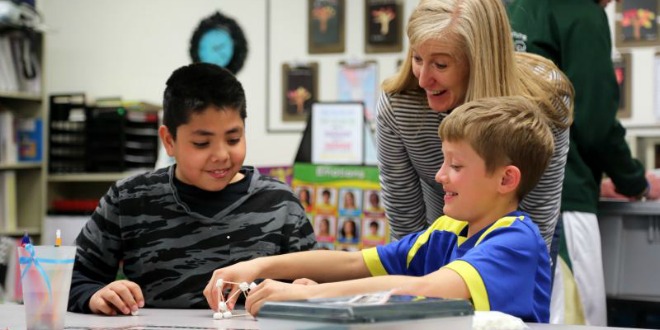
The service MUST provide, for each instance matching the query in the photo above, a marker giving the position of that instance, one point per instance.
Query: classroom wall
(643, 74)
(128, 48)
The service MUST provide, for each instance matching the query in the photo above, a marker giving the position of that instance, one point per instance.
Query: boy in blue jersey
(495, 152)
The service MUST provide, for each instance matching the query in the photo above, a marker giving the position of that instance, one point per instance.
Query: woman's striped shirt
(410, 154)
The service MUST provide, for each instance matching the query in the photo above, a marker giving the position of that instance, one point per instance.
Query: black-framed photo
(383, 26)
(636, 23)
(299, 92)
(623, 70)
(326, 26)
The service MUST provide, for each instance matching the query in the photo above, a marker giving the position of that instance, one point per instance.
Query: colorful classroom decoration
(343, 203)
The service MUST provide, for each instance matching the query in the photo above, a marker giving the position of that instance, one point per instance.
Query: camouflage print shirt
(171, 251)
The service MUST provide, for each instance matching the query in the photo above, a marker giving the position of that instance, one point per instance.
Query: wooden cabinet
(22, 169)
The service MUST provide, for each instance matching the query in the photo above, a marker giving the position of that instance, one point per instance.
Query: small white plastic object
(244, 286)
(135, 312)
(223, 311)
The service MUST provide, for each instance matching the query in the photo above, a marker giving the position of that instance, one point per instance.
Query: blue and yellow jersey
(506, 265)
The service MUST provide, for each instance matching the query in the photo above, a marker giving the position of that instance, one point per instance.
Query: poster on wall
(383, 25)
(636, 23)
(299, 92)
(338, 133)
(344, 205)
(326, 26)
(622, 70)
(283, 173)
(358, 81)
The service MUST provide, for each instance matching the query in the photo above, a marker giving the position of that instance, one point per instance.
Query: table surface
(12, 317)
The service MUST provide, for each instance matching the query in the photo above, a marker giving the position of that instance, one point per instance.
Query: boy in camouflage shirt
(173, 226)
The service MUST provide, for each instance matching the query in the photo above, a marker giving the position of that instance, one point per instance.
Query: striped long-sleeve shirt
(172, 251)
(410, 154)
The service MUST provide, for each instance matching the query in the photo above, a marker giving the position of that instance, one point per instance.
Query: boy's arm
(95, 264)
(318, 265)
(442, 283)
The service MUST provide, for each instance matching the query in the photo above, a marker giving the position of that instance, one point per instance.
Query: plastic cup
(46, 279)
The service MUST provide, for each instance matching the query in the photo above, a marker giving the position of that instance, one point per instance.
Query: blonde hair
(480, 29)
(504, 131)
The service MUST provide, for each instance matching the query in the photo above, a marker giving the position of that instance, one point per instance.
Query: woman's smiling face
(442, 74)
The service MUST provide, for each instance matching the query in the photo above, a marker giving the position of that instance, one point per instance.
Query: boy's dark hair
(374, 224)
(193, 88)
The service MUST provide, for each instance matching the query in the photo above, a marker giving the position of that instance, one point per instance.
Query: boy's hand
(246, 271)
(271, 290)
(305, 281)
(119, 296)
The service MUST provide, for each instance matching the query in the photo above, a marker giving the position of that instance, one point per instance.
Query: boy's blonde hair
(504, 131)
(480, 30)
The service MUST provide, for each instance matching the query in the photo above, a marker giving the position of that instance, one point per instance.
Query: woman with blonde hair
(460, 50)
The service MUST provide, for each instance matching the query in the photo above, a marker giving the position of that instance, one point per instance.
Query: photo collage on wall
(344, 205)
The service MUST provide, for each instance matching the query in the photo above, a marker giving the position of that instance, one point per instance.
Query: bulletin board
(344, 205)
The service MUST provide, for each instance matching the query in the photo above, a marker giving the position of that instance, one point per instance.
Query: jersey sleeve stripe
(444, 223)
(372, 261)
(474, 283)
(501, 223)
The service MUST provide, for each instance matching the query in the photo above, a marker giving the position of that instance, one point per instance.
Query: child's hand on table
(124, 297)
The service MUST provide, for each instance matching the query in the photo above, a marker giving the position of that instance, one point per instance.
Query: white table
(12, 317)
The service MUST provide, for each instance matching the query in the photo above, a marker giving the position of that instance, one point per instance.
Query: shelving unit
(644, 142)
(89, 187)
(81, 185)
(29, 190)
(87, 143)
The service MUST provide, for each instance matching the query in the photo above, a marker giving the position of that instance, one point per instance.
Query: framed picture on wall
(299, 92)
(636, 23)
(326, 26)
(383, 25)
(623, 70)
